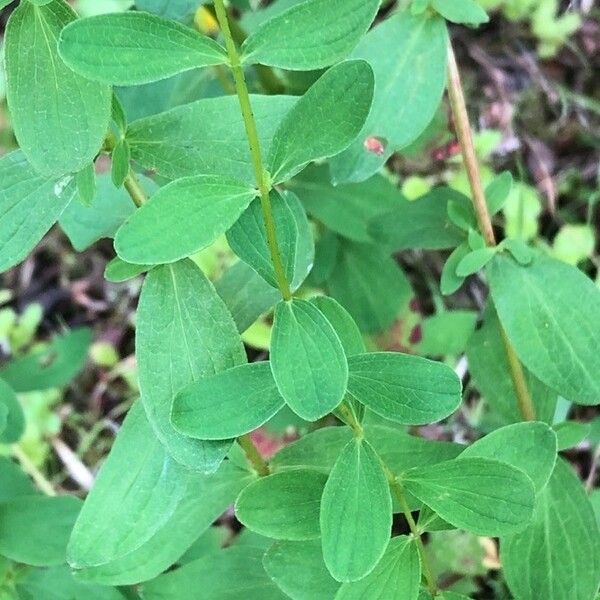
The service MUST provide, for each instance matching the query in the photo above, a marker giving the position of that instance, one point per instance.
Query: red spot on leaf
(375, 145)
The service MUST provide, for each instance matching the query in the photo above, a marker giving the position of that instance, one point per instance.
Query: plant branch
(261, 175)
(348, 415)
(134, 188)
(29, 467)
(253, 455)
(465, 138)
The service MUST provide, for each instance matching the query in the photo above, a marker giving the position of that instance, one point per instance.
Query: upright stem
(397, 490)
(465, 138)
(134, 188)
(262, 178)
(253, 455)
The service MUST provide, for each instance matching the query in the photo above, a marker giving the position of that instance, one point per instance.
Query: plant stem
(38, 477)
(134, 188)
(268, 79)
(345, 411)
(465, 138)
(262, 179)
(399, 493)
(253, 455)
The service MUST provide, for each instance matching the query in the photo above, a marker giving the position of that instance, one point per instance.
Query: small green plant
(319, 516)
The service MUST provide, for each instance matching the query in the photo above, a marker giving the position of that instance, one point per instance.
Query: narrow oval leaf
(24, 192)
(287, 40)
(408, 56)
(356, 513)
(283, 506)
(308, 360)
(484, 496)
(324, 121)
(406, 389)
(548, 559)
(343, 323)
(176, 345)
(475, 261)
(137, 461)
(530, 447)
(397, 576)
(35, 529)
(248, 239)
(181, 219)
(59, 117)
(228, 404)
(14, 419)
(550, 312)
(131, 48)
(297, 568)
(118, 270)
(14, 483)
(461, 11)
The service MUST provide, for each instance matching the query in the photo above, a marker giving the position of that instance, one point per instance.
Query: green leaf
(283, 506)
(421, 223)
(549, 311)
(397, 576)
(324, 121)
(450, 281)
(120, 162)
(461, 213)
(307, 359)
(181, 219)
(85, 181)
(530, 447)
(342, 322)
(297, 568)
(408, 57)
(246, 294)
(35, 529)
(173, 9)
(176, 345)
(14, 419)
(152, 508)
(59, 117)
(138, 462)
(248, 238)
(497, 192)
(461, 11)
(207, 136)
(118, 114)
(356, 513)
(228, 404)
(368, 283)
(132, 48)
(4, 3)
(59, 583)
(233, 573)
(481, 495)
(110, 208)
(571, 433)
(327, 248)
(52, 366)
(447, 332)
(489, 368)
(475, 261)
(551, 558)
(345, 209)
(23, 192)
(118, 270)
(406, 389)
(520, 251)
(287, 40)
(13, 481)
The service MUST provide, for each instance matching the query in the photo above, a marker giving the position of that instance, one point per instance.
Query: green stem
(134, 188)
(27, 465)
(253, 455)
(269, 81)
(348, 416)
(261, 175)
(465, 138)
